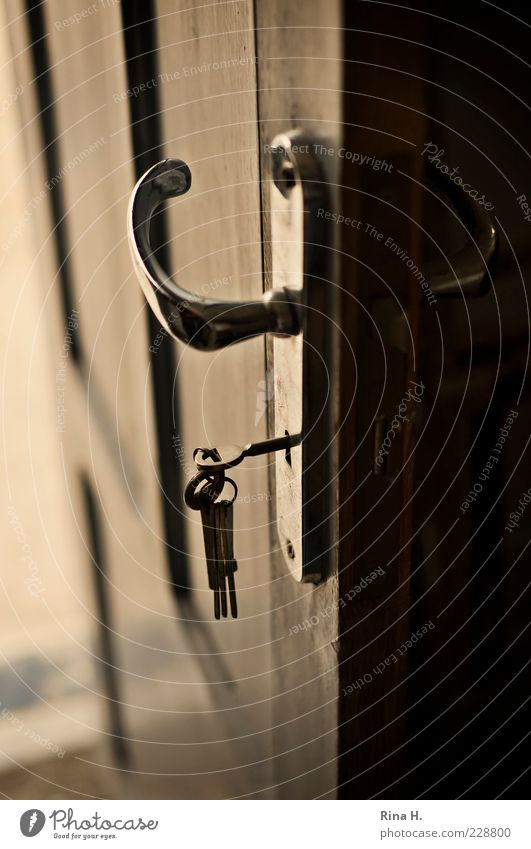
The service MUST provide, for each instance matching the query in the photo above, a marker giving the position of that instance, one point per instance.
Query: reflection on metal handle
(472, 267)
(203, 323)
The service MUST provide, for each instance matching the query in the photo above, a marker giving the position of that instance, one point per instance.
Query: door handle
(303, 304)
(474, 264)
(200, 322)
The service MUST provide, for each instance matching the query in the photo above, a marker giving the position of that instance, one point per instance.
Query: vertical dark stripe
(140, 41)
(99, 571)
(261, 176)
(45, 100)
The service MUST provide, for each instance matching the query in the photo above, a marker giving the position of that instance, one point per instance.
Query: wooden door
(188, 699)
(253, 707)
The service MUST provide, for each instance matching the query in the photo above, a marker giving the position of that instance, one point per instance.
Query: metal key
(217, 459)
(209, 536)
(226, 564)
(220, 548)
(231, 565)
(204, 493)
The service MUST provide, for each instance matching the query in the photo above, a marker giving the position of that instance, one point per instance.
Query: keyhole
(288, 450)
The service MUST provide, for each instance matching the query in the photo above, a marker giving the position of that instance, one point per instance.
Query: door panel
(299, 50)
(207, 74)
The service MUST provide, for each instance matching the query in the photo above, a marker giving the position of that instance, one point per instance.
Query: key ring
(193, 490)
(217, 493)
(212, 488)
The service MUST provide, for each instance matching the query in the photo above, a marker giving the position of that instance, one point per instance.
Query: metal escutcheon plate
(305, 366)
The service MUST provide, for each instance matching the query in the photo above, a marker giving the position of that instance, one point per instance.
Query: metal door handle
(473, 265)
(200, 322)
(304, 301)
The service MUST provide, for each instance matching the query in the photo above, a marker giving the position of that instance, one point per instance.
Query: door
(312, 691)
(112, 92)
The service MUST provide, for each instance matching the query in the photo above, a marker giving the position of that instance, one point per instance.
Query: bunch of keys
(205, 493)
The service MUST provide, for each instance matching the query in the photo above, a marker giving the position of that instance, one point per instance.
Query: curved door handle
(200, 322)
(472, 267)
(303, 304)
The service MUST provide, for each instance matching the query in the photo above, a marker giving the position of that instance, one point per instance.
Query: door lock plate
(305, 366)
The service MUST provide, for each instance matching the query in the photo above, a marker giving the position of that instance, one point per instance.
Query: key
(204, 493)
(210, 520)
(225, 564)
(230, 563)
(218, 512)
(209, 538)
(217, 459)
